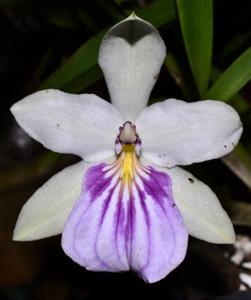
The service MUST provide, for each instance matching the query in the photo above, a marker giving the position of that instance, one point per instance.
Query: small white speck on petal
(238, 257)
(242, 287)
(244, 243)
(246, 265)
(245, 278)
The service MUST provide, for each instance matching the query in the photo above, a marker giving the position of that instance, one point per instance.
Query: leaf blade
(233, 79)
(196, 21)
(72, 69)
(85, 58)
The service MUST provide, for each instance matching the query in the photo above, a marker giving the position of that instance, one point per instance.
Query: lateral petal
(131, 56)
(84, 125)
(200, 208)
(174, 132)
(45, 213)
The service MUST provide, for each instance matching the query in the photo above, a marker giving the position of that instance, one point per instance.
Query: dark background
(36, 38)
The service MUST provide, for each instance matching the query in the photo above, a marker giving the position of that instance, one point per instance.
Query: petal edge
(85, 125)
(130, 56)
(202, 212)
(174, 132)
(46, 212)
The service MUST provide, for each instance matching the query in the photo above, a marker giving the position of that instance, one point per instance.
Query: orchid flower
(127, 204)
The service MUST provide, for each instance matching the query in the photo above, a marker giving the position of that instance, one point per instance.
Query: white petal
(175, 132)
(84, 125)
(45, 213)
(202, 212)
(130, 56)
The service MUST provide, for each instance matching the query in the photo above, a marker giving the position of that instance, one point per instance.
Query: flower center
(127, 147)
(127, 136)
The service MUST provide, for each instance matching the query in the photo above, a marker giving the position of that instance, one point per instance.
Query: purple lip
(118, 224)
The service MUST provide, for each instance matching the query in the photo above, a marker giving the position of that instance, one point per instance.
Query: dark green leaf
(239, 162)
(239, 212)
(159, 12)
(235, 44)
(196, 21)
(233, 79)
(84, 60)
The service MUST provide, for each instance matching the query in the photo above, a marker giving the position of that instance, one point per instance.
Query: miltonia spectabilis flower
(127, 205)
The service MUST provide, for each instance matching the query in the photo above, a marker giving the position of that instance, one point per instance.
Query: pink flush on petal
(125, 217)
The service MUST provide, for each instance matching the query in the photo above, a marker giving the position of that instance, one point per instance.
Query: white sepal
(131, 56)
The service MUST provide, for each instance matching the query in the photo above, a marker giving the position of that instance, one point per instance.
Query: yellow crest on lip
(128, 160)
